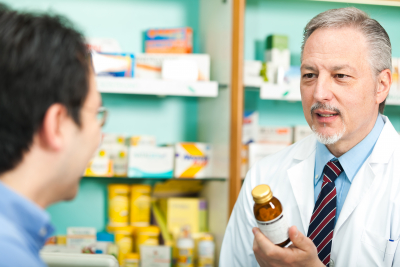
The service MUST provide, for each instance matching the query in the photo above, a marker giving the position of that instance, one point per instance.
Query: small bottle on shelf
(269, 214)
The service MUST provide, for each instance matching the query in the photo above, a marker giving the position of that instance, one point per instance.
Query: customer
(49, 127)
(354, 155)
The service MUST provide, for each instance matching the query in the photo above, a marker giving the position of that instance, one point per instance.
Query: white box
(250, 127)
(279, 57)
(155, 256)
(280, 135)
(251, 73)
(149, 66)
(151, 162)
(117, 149)
(395, 74)
(80, 237)
(192, 160)
(259, 151)
(301, 131)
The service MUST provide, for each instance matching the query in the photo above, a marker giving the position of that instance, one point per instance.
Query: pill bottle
(185, 246)
(124, 241)
(147, 236)
(140, 205)
(132, 260)
(269, 214)
(206, 251)
(118, 204)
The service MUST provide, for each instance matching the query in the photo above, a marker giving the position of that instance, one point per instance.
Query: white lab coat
(369, 218)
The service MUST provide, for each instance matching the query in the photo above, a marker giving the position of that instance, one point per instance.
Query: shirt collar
(31, 219)
(353, 159)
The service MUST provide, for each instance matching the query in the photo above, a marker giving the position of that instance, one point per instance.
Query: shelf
(156, 87)
(286, 93)
(136, 180)
(366, 2)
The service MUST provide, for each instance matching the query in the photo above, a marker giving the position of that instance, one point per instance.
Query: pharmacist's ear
(51, 134)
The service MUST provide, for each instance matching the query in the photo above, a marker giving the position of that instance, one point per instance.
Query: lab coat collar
(381, 154)
(387, 142)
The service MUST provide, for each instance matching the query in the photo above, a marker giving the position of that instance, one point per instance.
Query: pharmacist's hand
(301, 253)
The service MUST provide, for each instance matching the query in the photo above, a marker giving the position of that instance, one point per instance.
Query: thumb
(298, 239)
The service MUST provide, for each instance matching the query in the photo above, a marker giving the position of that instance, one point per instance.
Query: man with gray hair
(339, 187)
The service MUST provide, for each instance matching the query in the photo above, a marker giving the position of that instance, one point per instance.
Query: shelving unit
(156, 87)
(229, 31)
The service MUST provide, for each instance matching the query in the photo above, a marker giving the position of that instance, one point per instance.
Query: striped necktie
(322, 220)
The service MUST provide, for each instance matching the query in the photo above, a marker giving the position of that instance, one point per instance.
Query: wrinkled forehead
(336, 46)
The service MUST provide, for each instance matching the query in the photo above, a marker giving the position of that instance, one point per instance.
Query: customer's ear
(54, 128)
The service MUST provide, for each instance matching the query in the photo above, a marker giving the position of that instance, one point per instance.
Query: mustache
(319, 105)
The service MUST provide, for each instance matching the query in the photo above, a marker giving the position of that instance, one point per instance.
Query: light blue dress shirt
(351, 162)
(24, 228)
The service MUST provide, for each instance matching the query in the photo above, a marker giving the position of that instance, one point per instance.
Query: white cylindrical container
(206, 251)
(185, 247)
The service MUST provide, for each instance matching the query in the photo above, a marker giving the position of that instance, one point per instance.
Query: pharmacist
(346, 77)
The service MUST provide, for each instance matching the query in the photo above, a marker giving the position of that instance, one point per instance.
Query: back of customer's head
(45, 81)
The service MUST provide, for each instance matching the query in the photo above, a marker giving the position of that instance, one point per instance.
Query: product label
(276, 230)
(185, 257)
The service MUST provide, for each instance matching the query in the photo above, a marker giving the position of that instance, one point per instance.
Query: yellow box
(140, 205)
(181, 212)
(118, 204)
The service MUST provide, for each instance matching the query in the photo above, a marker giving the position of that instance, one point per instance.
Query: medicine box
(80, 237)
(275, 135)
(259, 151)
(301, 131)
(174, 40)
(142, 140)
(100, 165)
(113, 64)
(155, 256)
(151, 162)
(116, 147)
(250, 127)
(181, 212)
(150, 66)
(192, 160)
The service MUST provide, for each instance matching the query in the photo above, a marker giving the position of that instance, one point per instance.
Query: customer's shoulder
(14, 249)
(9, 232)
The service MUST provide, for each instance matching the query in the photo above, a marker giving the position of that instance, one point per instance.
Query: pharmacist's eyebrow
(308, 67)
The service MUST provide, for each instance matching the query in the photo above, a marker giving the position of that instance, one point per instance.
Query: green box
(280, 42)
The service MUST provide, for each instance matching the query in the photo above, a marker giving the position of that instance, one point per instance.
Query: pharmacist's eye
(341, 76)
(309, 75)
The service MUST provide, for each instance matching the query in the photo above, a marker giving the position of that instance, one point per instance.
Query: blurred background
(196, 92)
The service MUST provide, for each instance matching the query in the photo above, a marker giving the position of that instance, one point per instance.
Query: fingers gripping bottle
(269, 214)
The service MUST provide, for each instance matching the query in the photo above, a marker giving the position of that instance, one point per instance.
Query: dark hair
(43, 61)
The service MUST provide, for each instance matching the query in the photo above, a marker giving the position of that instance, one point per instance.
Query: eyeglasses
(102, 113)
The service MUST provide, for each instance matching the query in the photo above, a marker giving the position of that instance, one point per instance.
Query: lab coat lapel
(362, 182)
(301, 178)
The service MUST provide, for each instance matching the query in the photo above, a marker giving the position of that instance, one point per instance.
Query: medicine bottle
(269, 214)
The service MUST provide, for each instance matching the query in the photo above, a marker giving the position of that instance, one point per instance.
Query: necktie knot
(331, 171)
